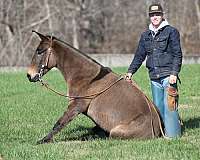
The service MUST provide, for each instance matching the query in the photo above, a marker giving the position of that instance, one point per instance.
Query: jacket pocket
(165, 59)
(162, 42)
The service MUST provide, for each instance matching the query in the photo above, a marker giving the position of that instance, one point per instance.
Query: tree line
(93, 26)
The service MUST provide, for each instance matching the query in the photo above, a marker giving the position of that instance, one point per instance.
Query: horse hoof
(56, 125)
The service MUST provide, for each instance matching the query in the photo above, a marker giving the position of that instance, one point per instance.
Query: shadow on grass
(82, 133)
(92, 134)
(98, 133)
(191, 124)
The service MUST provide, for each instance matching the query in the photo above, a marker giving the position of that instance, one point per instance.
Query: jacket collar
(161, 26)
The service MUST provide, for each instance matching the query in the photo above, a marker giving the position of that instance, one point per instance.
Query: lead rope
(91, 96)
(160, 125)
(150, 105)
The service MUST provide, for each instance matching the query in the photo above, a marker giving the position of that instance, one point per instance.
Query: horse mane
(103, 71)
(75, 49)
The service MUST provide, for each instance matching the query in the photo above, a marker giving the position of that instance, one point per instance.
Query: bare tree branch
(93, 26)
(197, 4)
(48, 14)
(38, 22)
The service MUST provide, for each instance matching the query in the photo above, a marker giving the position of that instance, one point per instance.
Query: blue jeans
(170, 118)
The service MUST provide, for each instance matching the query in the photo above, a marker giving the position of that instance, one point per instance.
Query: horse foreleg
(69, 115)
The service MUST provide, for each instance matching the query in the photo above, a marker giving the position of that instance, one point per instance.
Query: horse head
(43, 59)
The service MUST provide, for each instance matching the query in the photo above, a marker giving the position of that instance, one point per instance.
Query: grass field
(28, 112)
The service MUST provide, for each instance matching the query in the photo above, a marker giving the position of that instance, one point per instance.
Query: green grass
(28, 112)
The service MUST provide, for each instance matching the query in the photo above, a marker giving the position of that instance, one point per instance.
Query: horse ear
(42, 37)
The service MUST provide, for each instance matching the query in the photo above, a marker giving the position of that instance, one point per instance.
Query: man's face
(156, 19)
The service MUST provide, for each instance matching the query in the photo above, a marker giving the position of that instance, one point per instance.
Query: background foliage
(93, 26)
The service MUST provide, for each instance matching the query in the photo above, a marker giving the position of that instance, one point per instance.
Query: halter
(45, 65)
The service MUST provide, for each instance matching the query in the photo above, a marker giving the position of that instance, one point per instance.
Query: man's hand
(172, 79)
(128, 76)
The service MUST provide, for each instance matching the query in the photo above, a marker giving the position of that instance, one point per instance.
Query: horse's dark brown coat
(122, 110)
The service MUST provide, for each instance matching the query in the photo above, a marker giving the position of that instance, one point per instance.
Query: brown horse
(113, 104)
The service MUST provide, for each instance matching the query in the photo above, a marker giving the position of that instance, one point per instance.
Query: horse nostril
(34, 78)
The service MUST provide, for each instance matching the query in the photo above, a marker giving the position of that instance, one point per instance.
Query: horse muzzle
(34, 78)
(33, 75)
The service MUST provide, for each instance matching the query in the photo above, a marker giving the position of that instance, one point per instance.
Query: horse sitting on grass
(119, 108)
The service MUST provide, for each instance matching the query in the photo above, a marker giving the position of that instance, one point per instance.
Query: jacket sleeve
(176, 52)
(139, 57)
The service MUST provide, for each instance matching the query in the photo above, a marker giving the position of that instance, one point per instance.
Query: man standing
(161, 45)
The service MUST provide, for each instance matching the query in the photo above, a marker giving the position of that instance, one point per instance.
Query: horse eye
(40, 51)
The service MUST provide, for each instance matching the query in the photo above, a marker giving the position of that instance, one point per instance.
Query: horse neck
(75, 66)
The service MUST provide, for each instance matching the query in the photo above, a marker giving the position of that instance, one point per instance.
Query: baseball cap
(155, 8)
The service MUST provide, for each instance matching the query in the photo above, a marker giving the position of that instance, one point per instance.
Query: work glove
(172, 79)
(172, 98)
(128, 76)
